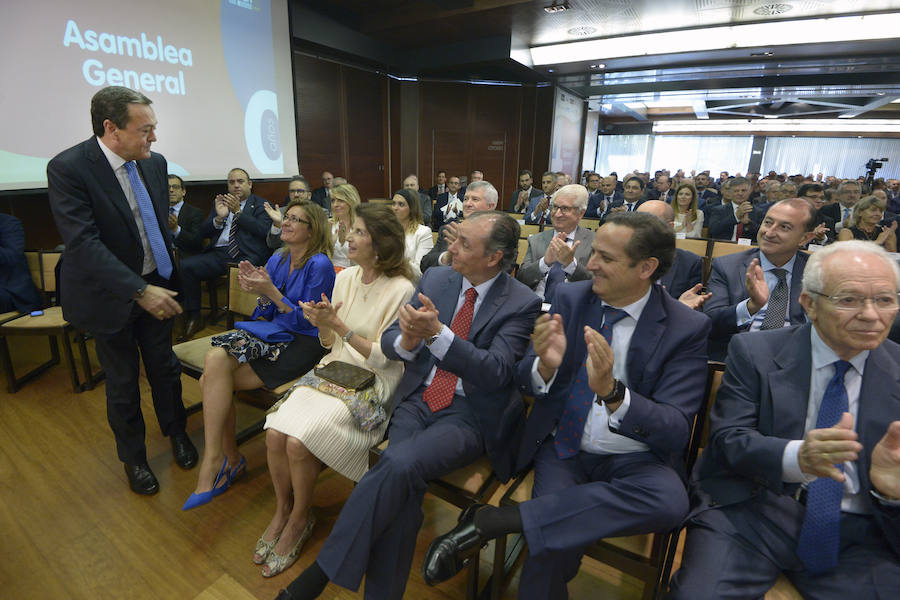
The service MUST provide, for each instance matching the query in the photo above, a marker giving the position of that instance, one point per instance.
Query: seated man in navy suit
(17, 290)
(236, 227)
(460, 338)
(732, 220)
(801, 474)
(617, 371)
(184, 219)
(760, 288)
(605, 198)
(538, 209)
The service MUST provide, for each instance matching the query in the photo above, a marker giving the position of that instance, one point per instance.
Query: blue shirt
(315, 278)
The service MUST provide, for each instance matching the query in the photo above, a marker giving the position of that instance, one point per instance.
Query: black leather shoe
(184, 451)
(448, 554)
(194, 324)
(141, 479)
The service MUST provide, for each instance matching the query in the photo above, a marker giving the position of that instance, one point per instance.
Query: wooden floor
(71, 528)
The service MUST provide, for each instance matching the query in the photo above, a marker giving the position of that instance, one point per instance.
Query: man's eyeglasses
(566, 210)
(175, 186)
(298, 192)
(849, 302)
(293, 219)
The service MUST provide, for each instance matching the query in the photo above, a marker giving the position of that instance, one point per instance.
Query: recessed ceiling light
(582, 31)
(770, 10)
(556, 7)
(598, 66)
(549, 70)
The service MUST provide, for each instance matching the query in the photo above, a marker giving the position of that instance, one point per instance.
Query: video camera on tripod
(873, 165)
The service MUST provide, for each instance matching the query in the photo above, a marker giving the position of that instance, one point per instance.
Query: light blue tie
(151, 223)
(820, 534)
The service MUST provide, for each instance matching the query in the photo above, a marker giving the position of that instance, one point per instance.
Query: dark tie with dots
(578, 404)
(778, 302)
(820, 534)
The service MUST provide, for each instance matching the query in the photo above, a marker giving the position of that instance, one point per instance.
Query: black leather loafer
(194, 325)
(448, 554)
(141, 479)
(184, 451)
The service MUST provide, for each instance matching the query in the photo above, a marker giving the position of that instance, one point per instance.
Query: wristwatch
(616, 395)
(346, 337)
(429, 341)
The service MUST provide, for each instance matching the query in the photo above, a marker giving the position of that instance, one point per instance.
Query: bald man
(684, 279)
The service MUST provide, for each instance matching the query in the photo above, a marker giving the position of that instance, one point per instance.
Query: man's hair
(549, 173)
(504, 236)
(301, 179)
(112, 103)
(593, 174)
(577, 192)
(812, 213)
(635, 178)
(410, 176)
(814, 275)
(439, 171)
(526, 172)
(735, 181)
(846, 184)
(388, 239)
(651, 239)
(244, 171)
(490, 192)
(180, 180)
(476, 171)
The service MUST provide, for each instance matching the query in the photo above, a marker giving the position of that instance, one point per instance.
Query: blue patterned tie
(578, 404)
(820, 534)
(151, 223)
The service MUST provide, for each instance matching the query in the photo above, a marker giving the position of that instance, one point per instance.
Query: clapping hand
(756, 287)
(599, 365)
(885, 470)
(273, 213)
(221, 207)
(822, 449)
(694, 298)
(416, 324)
(254, 279)
(549, 341)
(322, 314)
(173, 223)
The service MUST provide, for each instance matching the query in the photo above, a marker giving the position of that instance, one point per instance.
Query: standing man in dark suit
(731, 220)
(684, 279)
(237, 228)
(184, 220)
(448, 206)
(117, 277)
(322, 195)
(440, 185)
(460, 338)
(617, 371)
(742, 284)
(560, 253)
(538, 207)
(605, 198)
(521, 198)
(801, 475)
(17, 290)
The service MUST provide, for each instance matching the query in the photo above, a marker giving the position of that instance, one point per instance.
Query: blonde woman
(862, 224)
(688, 220)
(344, 202)
(418, 236)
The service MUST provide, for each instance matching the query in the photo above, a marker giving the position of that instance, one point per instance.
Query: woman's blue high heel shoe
(201, 498)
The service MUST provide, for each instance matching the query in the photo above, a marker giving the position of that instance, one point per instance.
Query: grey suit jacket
(728, 288)
(762, 405)
(530, 272)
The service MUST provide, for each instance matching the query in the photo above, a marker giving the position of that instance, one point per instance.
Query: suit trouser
(200, 267)
(739, 551)
(375, 534)
(589, 497)
(149, 339)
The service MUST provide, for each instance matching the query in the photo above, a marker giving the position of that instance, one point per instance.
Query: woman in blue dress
(268, 352)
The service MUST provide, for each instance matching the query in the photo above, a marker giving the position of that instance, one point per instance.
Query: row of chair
(51, 324)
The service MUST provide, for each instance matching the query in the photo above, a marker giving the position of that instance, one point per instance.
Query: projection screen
(218, 73)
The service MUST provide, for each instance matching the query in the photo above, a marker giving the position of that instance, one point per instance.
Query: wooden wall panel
(318, 86)
(365, 131)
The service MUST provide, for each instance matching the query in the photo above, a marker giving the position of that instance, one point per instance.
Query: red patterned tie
(439, 394)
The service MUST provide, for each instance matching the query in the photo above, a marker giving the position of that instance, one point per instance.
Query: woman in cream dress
(418, 237)
(688, 218)
(312, 428)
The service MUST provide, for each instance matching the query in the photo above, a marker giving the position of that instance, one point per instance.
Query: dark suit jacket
(433, 191)
(762, 405)
(686, 272)
(189, 241)
(253, 227)
(721, 223)
(666, 366)
(321, 198)
(16, 284)
(727, 284)
(485, 361)
(535, 193)
(532, 204)
(833, 211)
(530, 271)
(598, 208)
(102, 263)
(437, 217)
(425, 203)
